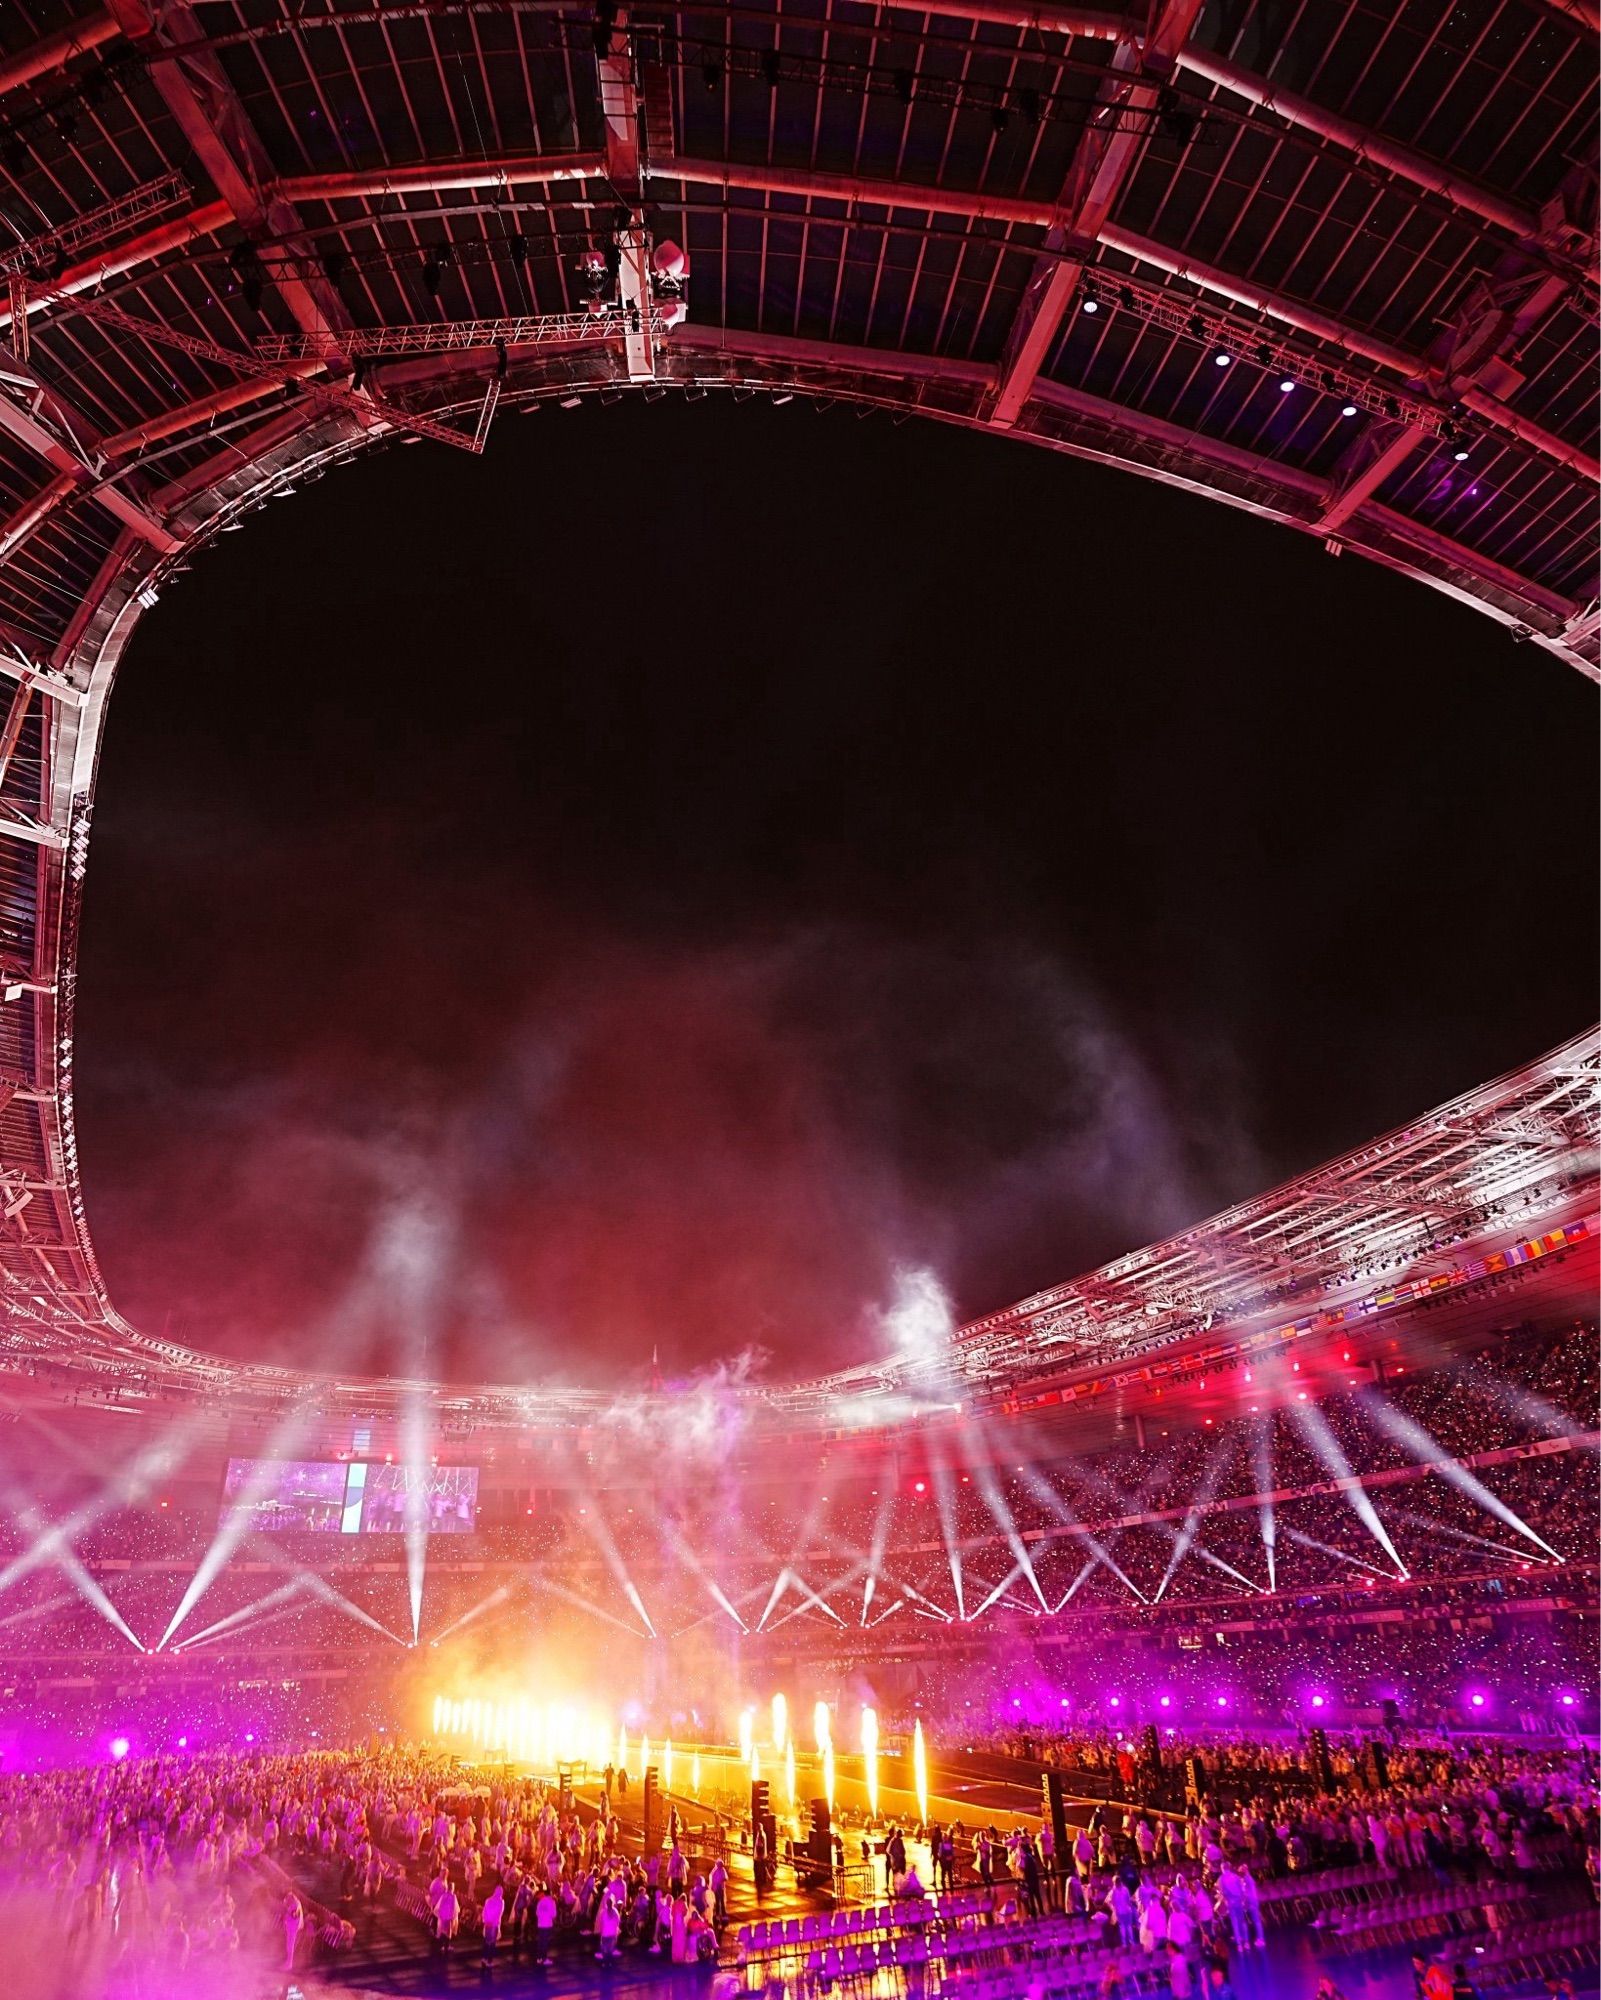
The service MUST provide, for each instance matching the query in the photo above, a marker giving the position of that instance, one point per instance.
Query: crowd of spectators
(183, 1870)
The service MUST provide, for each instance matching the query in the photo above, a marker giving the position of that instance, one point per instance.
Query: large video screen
(447, 1500)
(285, 1495)
(324, 1497)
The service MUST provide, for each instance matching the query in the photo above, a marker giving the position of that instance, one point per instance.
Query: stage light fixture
(1349, 410)
(1460, 453)
(1222, 360)
(1090, 306)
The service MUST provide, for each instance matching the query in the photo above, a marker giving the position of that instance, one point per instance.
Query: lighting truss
(1249, 341)
(248, 362)
(388, 343)
(98, 225)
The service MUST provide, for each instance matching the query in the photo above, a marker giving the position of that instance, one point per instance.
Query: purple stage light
(1167, 1701)
(1117, 1701)
(1476, 1699)
(120, 1746)
(183, 1743)
(1222, 1701)
(1317, 1701)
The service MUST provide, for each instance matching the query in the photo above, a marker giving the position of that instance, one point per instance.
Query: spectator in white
(494, 1912)
(1231, 1889)
(447, 1919)
(1180, 1925)
(1180, 1980)
(292, 1917)
(544, 1924)
(1253, 1907)
(608, 1926)
(1121, 1904)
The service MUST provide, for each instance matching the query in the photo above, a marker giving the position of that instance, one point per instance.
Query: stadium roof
(1332, 263)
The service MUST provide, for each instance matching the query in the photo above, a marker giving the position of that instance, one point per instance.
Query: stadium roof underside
(1342, 266)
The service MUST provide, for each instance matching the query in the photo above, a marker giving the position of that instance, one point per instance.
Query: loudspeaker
(1317, 1753)
(820, 1844)
(1194, 1780)
(1054, 1811)
(1390, 1709)
(1151, 1750)
(1376, 1766)
(654, 1822)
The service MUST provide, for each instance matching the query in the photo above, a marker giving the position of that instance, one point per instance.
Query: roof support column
(1104, 158)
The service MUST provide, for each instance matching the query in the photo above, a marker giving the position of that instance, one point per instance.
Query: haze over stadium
(564, 1038)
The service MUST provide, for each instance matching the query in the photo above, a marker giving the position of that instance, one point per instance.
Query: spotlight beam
(601, 1535)
(1406, 1431)
(572, 1597)
(236, 1522)
(1200, 1501)
(1328, 1448)
(125, 1489)
(1328, 1549)
(1004, 1585)
(1262, 1465)
(984, 1474)
(415, 1457)
(71, 1567)
(489, 1603)
(1454, 1534)
(944, 1501)
(1048, 1496)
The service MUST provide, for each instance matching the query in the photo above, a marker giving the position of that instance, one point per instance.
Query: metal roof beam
(855, 189)
(1107, 151)
(196, 90)
(53, 52)
(69, 448)
(1367, 473)
(1301, 112)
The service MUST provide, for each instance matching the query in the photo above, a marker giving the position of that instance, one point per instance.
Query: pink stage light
(120, 1747)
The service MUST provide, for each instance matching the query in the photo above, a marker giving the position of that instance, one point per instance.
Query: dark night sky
(652, 882)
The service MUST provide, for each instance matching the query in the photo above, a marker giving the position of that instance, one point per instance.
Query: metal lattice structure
(1332, 264)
